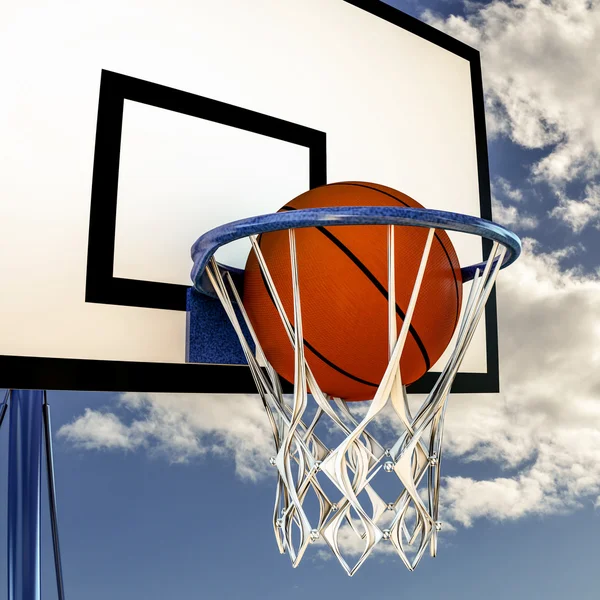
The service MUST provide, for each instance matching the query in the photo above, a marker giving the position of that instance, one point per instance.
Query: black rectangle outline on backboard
(83, 374)
(101, 285)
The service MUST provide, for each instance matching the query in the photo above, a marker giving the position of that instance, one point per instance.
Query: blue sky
(156, 501)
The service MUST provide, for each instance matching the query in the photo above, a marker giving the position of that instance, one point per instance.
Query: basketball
(342, 272)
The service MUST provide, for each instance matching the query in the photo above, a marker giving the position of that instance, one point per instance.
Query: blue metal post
(24, 494)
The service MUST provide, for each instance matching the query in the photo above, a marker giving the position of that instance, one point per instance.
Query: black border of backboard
(102, 287)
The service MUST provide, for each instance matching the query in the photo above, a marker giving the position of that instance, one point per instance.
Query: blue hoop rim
(207, 244)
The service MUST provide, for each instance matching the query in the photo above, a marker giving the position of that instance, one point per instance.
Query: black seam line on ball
(369, 187)
(376, 283)
(314, 350)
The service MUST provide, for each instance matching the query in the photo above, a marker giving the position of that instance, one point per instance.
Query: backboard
(130, 130)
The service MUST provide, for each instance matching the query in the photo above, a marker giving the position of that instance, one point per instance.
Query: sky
(170, 496)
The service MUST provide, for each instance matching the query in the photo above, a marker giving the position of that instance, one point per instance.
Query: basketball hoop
(328, 492)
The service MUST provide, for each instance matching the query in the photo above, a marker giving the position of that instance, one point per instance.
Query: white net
(337, 484)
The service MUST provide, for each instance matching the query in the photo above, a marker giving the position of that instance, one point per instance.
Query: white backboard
(129, 129)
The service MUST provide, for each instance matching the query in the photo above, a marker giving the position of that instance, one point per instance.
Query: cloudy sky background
(188, 477)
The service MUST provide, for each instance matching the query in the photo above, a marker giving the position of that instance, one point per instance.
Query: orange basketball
(342, 271)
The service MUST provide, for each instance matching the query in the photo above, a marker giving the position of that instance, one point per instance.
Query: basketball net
(335, 486)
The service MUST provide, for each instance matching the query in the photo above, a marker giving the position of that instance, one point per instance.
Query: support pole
(4, 407)
(52, 498)
(24, 494)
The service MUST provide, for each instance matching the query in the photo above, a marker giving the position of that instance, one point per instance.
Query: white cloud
(507, 214)
(504, 187)
(324, 554)
(182, 427)
(542, 79)
(95, 431)
(512, 217)
(579, 213)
